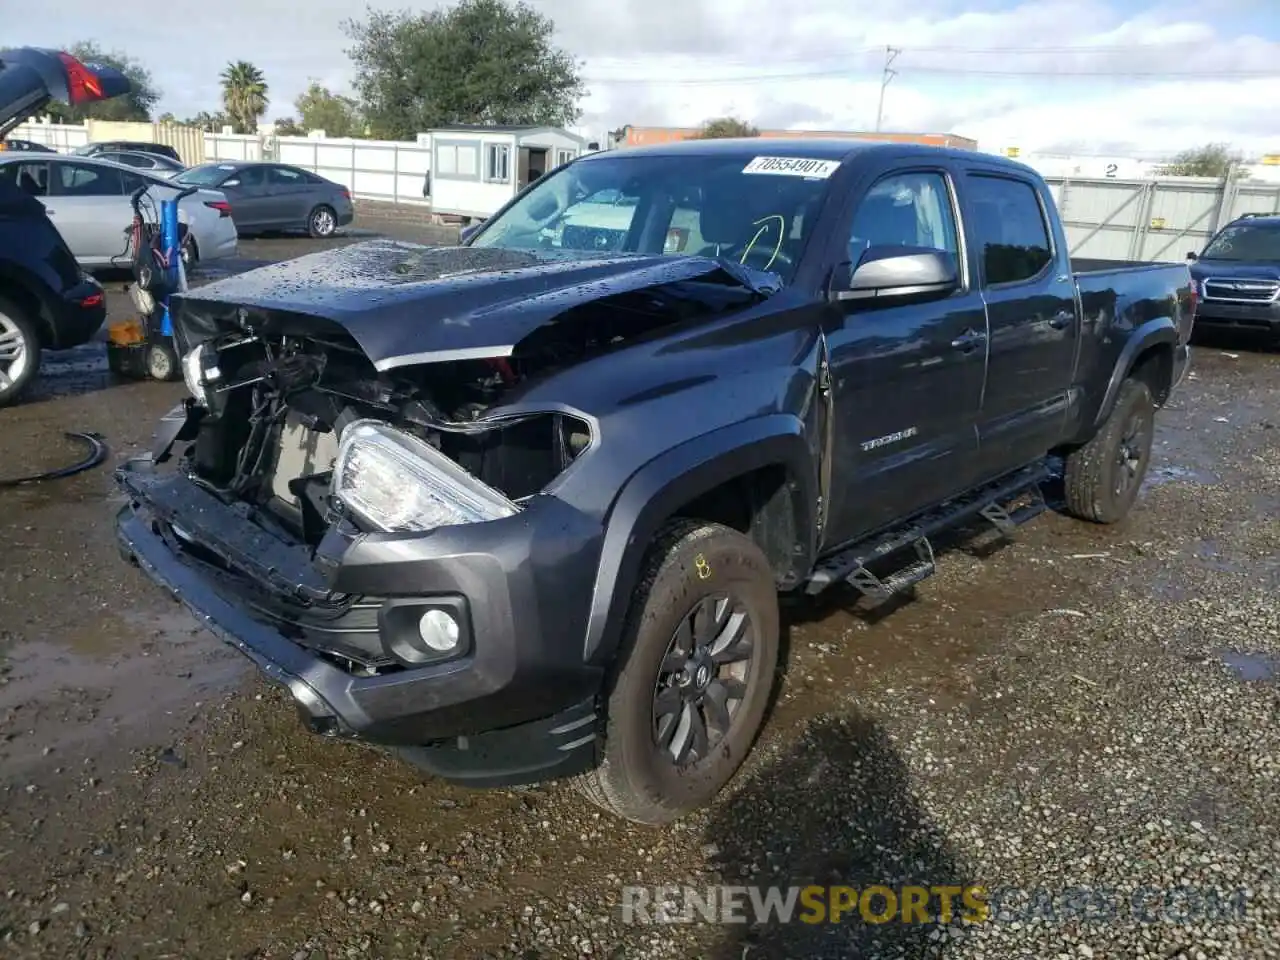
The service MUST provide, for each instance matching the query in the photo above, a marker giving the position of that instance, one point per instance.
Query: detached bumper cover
(520, 581)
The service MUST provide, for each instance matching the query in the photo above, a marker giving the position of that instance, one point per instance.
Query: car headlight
(396, 482)
(197, 375)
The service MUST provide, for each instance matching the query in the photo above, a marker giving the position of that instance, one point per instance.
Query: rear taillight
(92, 300)
(1193, 297)
(346, 194)
(223, 208)
(82, 86)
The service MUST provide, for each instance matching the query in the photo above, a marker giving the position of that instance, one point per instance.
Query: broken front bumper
(517, 706)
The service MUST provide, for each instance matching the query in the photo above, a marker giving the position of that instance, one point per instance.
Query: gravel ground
(1080, 708)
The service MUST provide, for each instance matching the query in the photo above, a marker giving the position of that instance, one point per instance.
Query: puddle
(1252, 667)
(1172, 473)
(83, 694)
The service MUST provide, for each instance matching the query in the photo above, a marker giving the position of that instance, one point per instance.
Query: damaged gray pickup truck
(522, 509)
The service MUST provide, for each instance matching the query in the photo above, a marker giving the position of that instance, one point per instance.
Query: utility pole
(890, 55)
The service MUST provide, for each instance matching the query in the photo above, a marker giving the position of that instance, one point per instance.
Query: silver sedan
(87, 199)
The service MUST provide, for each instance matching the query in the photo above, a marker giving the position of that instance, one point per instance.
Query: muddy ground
(1081, 707)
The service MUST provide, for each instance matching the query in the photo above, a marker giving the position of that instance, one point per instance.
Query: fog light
(439, 630)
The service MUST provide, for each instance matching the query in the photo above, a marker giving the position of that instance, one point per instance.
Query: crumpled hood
(405, 303)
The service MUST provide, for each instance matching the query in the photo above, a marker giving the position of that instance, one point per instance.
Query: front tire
(323, 222)
(19, 351)
(694, 674)
(1102, 478)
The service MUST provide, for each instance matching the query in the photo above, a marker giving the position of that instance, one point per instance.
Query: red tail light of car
(82, 85)
(223, 208)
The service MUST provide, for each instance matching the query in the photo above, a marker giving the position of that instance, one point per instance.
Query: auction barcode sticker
(793, 167)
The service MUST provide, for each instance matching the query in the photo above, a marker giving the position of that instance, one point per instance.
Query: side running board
(992, 502)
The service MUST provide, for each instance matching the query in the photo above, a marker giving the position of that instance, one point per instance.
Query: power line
(933, 71)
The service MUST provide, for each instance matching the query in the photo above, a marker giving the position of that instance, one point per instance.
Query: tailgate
(32, 76)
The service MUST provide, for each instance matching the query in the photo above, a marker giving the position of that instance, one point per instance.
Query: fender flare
(666, 483)
(1160, 330)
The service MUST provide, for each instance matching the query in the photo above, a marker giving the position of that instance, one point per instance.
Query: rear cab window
(1013, 242)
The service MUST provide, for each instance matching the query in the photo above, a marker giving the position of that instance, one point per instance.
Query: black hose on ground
(96, 455)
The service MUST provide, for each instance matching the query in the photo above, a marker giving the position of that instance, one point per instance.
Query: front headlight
(197, 375)
(396, 482)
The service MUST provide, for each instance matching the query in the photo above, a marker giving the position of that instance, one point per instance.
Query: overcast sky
(1177, 73)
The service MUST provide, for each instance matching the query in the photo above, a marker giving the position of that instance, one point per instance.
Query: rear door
(292, 196)
(906, 376)
(246, 191)
(1030, 297)
(88, 205)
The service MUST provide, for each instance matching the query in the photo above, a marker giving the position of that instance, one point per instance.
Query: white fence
(1160, 219)
(389, 170)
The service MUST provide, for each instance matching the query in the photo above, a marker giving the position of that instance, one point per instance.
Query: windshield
(1245, 241)
(755, 211)
(204, 175)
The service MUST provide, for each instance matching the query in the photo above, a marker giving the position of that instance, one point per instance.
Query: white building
(477, 169)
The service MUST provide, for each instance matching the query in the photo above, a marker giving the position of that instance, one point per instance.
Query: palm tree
(244, 93)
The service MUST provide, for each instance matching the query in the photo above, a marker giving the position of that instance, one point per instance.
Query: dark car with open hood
(522, 509)
(46, 301)
(1238, 277)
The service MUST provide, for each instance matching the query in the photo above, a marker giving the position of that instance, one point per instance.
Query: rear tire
(19, 351)
(699, 580)
(1102, 478)
(323, 222)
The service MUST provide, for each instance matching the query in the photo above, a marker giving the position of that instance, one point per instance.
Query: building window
(498, 163)
(563, 157)
(466, 161)
(446, 160)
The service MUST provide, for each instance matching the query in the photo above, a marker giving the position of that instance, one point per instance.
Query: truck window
(1010, 229)
(907, 210)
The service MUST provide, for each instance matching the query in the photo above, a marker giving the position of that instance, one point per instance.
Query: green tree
(1212, 160)
(212, 122)
(166, 117)
(722, 127)
(289, 127)
(479, 61)
(336, 115)
(244, 94)
(136, 105)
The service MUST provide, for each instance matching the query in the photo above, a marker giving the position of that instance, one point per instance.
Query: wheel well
(759, 504)
(1154, 367)
(27, 300)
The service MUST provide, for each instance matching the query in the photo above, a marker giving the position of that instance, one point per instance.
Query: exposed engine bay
(274, 408)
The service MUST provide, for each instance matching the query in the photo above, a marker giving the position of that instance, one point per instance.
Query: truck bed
(1081, 265)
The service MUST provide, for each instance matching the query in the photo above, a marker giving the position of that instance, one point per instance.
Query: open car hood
(406, 304)
(32, 76)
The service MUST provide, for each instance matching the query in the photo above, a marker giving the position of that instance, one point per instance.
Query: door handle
(969, 340)
(1061, 319)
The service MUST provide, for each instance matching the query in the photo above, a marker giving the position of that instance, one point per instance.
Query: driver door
(906, 375)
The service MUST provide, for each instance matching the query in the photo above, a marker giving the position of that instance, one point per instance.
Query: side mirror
(466, 233)
(891, 273)
(1192, 255)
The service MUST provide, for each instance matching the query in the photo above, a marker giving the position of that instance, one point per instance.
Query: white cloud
(682, 61)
